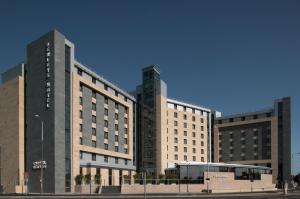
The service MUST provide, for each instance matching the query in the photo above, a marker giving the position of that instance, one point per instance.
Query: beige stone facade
(12, 135)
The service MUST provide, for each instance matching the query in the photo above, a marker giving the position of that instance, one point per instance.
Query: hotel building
(260, 138)
(170, 131)
(87, 124)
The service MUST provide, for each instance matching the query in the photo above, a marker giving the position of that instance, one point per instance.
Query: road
(190, 196)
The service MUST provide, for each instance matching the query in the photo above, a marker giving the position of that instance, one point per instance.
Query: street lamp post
(42, 161)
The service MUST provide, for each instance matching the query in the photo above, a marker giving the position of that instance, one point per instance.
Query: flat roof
(221, 164)
(102, 79)
(188, 105)
(262, 111)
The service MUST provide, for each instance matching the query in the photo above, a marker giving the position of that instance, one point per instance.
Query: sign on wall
(48, 75)
(39, 164)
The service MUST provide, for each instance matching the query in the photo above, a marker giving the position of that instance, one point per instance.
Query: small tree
(78, 179)
(87, 178)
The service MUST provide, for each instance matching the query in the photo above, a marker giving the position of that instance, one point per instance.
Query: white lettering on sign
(48, 75)
(38, 165)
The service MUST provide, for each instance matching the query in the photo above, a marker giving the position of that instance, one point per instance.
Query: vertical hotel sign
(48, 75)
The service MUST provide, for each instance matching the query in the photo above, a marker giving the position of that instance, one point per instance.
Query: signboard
(38, 164)
(48, 75)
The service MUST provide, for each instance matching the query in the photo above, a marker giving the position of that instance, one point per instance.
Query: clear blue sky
(233, 56)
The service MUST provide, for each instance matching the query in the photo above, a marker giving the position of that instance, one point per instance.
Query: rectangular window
(175, 148)
(185, 125)
(175, 115)
(105, 100)
(202, 121)
(94, 94)
(194, 126)
(116, 138)
(80, 140)
(116, 93)
(194, 150)
(116, 116)
(81, 155)
(202, 159)
(126, 110)
(116, 127)
(126, 162)
(106, 135)
(125, 131)
(106, 123)
(194, 142)
(184, 141)
(184, 117)
(185, 133)
(116, 106)
(94, 144)
(105, 158)
(93, 157)
(202, 143)
(202, 151)
(125, 150)
(80, 127)
(93, 131)
(80, 100)
(125, 141)
(176, 157)
(79, 71)
(193, 118)
(94, 107)
(94, 119)
(175, 131)
(194, 158)
(105, 146)
(116, 148)
(81, 114)
(175, 140)
(125, 120)
(94, 80)
(81, 87)
(185, 158)
(194, 134)
(105, 87)
(185, 149)
(202, 135)
(202, 128)
(175, 123)
(116, 160)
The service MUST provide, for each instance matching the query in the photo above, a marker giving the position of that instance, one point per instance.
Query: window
(194, 134)
(93, 157)
(194, 126)
(202, 121)
(184, 141)
(185, 125)
(94, 131)
(175, 148)
(202, 151)
(80, 140)
(193, 118)
(80, 127)
(105, 100)
(202, 143)
(116, 127)
(79, 71)
(175, 106)
(185, 158)
(80, 101)
(80, 114)
(106, 123)
(94, 144)
(116, 106)
(202, 128)
(202, 135)
(116, 160)
(81, 87)
(105, 158)
(94, 80)
(184, 117)
(175, 114)
(81, 155)
(125, 120)
(94, 107)
(105, 146)
(125, 131)
(106, 111)
(175, 140)
(126, 162)
(125, 150)
(94, 119)
(193, 110)
(194, 158)
(175, 123)
(125, 99)
(125, 141)
(105, 87)
(185, 133)
(194, 142)
(243, 118)
(116, 148)
(116, 138)
(94, 94)
(176, 157)
(116, 93)
(202, 159)
(194, 150)
(175, 131)
(185, 149)
(116, 116)
(106, 135)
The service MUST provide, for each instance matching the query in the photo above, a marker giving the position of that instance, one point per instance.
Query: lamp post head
(37, 115)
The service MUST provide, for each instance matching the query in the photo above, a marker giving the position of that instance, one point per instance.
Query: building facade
(66, 119)
(259, 138)
(170, 131)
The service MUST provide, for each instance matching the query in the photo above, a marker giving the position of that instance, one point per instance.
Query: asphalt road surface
(295, 195)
